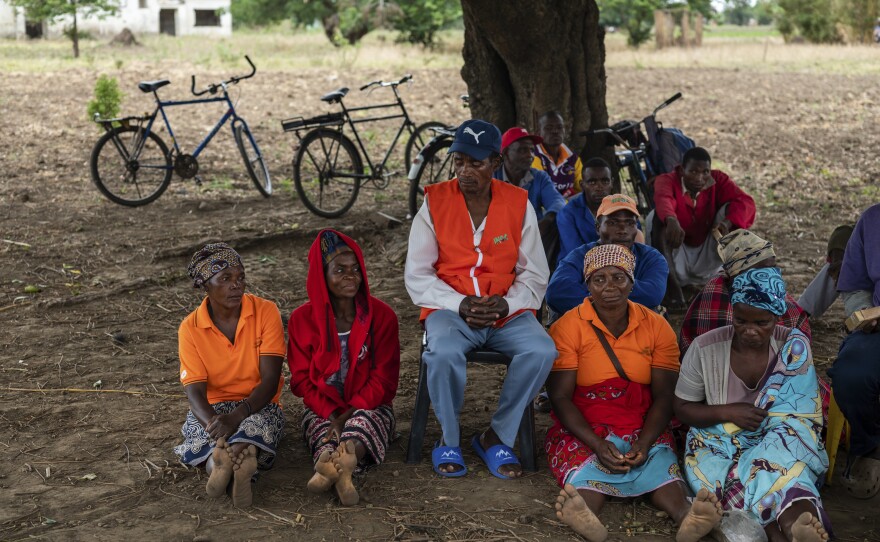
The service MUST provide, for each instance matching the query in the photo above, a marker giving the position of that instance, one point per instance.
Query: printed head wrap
(614, 255)
(210, 260)
(332, 246)
(741, 249)
(762, 288)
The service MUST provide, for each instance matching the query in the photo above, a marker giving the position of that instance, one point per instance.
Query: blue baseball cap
(477, 139)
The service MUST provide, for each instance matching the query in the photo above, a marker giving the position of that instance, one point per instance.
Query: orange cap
(617, 202)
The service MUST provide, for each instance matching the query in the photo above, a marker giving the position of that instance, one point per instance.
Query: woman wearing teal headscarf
(750, 394)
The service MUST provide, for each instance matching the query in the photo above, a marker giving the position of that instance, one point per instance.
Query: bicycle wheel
(132, 169)
(253, 159)
(324, 173)
(417, 141)
(436, 167)
(631, 184)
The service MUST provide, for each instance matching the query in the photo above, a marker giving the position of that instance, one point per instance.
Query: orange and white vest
(489, 268)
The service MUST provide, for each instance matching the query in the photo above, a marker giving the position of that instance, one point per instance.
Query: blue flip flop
(448, 455)
(495, 456)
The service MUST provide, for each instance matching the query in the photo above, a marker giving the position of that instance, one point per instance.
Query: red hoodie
(313, 349)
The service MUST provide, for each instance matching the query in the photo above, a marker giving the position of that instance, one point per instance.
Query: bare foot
(572, 510)
(345, 460)
(221, 470)
(704, 515)
(326, 474)
(808, 528)
(244, 468)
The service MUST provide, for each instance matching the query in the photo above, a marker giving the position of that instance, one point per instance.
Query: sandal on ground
(448, 455)
(495, 457)
(542, 403)
(862, 479)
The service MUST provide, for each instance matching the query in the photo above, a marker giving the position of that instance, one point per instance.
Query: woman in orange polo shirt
(231, 353)
(611, 389)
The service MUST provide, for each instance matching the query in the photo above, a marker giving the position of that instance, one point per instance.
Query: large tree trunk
(523, 58)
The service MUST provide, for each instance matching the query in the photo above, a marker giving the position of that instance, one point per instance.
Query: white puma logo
(476, 136)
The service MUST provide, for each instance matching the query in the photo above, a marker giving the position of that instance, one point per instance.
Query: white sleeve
(420, 277)
(532, 272)
(691, 384)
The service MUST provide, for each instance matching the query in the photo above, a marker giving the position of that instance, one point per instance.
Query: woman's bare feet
(221, 470)
(345, 461)
(244, 467)
(704, 515)
(572, 510)
(808, 528)
(326, 474)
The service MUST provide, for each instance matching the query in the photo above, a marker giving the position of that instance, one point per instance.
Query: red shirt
(697, 218)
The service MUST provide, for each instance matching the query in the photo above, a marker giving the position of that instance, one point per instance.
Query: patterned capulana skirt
(372, 428)
(263, 429)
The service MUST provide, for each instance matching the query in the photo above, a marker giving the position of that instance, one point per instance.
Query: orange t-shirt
(647, 343)
(231, 371)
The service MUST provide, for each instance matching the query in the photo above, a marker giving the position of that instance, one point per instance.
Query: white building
(172, 17)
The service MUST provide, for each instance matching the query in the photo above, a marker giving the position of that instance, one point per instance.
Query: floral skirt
(372, 428)
(263, 429)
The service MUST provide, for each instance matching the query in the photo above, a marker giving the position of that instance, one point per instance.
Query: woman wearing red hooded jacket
(344, 357)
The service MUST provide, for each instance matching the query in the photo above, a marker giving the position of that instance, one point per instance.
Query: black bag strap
(610, 352)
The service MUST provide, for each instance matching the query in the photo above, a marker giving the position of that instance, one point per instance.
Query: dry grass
(769, 54)
(281, 49)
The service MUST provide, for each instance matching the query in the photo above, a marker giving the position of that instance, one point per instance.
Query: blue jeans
(449, 339)
(855, 380)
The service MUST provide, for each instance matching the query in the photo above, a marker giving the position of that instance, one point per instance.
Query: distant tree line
(347, 21)
(815, 21)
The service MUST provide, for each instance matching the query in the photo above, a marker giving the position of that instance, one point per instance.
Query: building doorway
(33, 29)
(167, 24)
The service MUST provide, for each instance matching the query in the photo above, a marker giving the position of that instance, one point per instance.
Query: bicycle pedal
(198, 180)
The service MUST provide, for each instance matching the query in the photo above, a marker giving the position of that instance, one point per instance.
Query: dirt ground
(95, 462)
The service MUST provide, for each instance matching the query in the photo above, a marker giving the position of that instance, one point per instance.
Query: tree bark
(75, 35)
(523, 58)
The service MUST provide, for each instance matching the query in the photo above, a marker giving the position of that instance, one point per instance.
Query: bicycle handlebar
(212, 88)
(615, 134)
(406, 78)
(667, 103)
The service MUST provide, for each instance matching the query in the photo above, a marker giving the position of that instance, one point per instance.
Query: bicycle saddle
(335, 96)
(152, 86)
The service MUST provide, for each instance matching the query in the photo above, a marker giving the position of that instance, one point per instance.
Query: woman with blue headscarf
(750, 394)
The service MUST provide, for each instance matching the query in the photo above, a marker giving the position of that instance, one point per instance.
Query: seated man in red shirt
(695, 205)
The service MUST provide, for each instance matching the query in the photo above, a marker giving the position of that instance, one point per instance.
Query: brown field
(81, 462)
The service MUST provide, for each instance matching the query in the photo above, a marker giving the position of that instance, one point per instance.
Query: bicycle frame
(160, 108)
(376, 173)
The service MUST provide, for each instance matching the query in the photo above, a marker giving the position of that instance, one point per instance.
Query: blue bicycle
(132, 166)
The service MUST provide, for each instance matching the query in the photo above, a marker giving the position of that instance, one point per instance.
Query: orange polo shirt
(231, 371)
(648, 342)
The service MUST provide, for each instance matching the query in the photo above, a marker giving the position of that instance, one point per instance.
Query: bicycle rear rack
(123, 122)
(294, 124)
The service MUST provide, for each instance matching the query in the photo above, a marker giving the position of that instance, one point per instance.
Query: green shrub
(107, 98)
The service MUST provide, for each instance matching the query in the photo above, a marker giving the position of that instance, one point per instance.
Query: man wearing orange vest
(477, 268)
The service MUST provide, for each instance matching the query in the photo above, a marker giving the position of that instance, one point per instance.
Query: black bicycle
(328, 169)
(131, 165)
(642, 157)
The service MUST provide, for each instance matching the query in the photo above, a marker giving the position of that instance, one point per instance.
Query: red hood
(319, 296)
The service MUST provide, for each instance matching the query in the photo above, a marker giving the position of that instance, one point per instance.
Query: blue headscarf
(762, 288)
